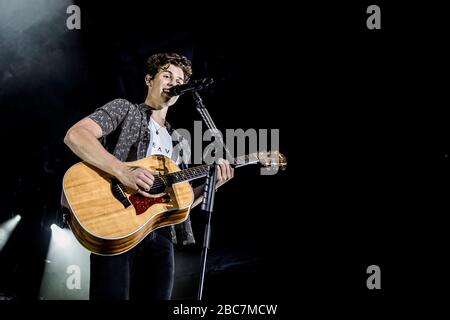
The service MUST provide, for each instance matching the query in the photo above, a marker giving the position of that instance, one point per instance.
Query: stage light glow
(6, 228)
(61, 237)
(65, 254)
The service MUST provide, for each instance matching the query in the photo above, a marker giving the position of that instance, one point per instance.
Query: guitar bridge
(117, 191)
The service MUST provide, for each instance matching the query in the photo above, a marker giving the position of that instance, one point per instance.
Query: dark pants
(145, 272)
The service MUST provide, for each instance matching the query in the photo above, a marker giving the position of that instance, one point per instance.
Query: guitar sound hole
(158, 186)
(157, 190)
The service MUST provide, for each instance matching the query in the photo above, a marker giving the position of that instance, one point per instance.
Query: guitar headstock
(272, 159)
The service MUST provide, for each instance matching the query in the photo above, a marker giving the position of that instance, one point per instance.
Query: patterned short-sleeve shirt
(126, 135)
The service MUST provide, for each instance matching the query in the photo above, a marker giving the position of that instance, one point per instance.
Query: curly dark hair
(161, 61)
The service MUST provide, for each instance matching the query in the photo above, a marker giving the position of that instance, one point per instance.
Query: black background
(362, 120)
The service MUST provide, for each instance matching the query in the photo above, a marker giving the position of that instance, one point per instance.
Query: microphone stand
(209, 191)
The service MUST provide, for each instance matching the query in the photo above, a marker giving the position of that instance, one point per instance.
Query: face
(163, 80)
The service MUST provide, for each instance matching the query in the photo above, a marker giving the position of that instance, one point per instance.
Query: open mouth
(167, 92)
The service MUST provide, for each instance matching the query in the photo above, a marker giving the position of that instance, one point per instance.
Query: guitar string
(192, 173)
(159, 183)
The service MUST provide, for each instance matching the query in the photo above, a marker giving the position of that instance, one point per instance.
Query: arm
(82, 139)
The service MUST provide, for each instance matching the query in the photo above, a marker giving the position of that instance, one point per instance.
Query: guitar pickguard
(141, 203)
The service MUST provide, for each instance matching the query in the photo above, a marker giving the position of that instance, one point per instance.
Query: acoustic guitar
(108, 219)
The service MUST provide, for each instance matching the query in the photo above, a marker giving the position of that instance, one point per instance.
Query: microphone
(193, 85)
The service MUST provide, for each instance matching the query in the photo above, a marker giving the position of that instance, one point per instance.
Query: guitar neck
(202, 171)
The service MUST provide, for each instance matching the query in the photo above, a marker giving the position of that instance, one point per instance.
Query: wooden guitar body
(107, 219)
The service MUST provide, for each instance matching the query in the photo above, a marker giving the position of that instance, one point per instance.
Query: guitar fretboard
(186, 175)
(201, 171)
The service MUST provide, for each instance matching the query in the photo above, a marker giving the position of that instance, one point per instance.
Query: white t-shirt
(160, 140)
